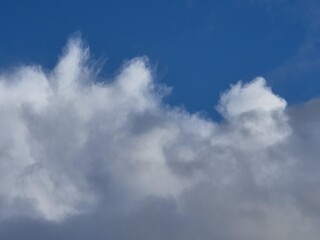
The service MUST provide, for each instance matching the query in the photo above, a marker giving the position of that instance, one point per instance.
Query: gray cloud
(81, 159)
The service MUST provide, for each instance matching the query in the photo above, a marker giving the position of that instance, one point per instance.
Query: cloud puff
(80, 157)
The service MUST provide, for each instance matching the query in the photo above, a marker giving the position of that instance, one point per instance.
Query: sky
(159, 120)
(197, 47)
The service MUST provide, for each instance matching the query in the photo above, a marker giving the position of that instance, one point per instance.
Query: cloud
(82, 159)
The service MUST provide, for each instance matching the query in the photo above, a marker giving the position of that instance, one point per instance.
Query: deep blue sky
(198, 47)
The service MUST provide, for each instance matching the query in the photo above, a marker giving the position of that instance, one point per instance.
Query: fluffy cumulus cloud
(82, 158)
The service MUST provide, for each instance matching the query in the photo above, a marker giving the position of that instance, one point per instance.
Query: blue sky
(198, 47)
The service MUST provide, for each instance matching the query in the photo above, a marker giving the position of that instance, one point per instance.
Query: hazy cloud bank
(82, 159)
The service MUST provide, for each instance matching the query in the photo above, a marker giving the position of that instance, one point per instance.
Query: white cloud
(253, 96)
(74, 148)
